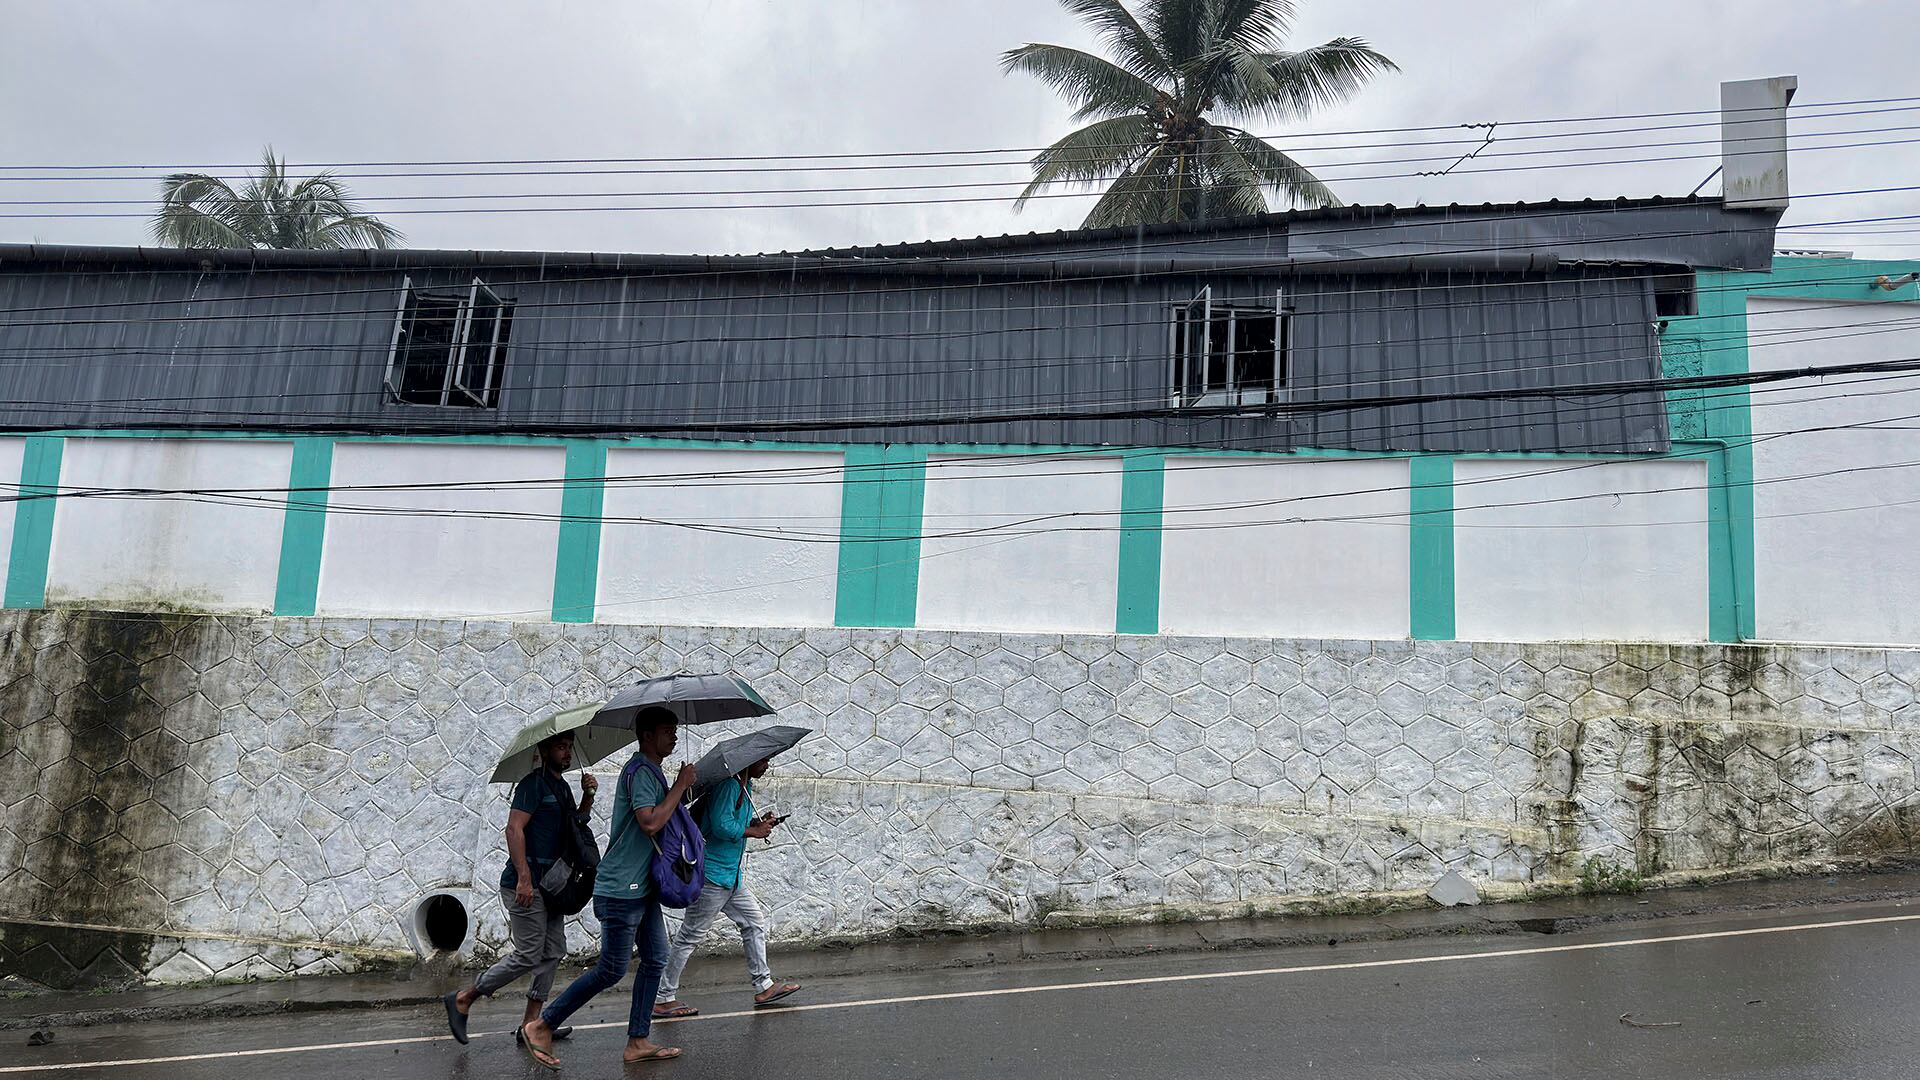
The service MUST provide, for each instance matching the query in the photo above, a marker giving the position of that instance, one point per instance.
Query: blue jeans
(623, 923)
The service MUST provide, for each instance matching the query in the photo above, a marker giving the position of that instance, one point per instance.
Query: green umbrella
(591, 742)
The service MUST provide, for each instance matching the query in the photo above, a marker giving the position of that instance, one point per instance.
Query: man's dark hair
(652, 717)
(554, 739)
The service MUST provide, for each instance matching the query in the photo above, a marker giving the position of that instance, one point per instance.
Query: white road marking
(1045, 988)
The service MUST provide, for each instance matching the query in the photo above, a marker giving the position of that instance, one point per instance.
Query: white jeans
(737, 904)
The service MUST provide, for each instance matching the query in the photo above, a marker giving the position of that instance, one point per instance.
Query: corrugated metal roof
(1716, 240)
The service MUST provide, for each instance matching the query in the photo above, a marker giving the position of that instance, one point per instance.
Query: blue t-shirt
(624, 868)
(546, 828)
(725, 813)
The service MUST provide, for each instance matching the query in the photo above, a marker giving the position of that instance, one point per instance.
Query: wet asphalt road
(1838, 1001)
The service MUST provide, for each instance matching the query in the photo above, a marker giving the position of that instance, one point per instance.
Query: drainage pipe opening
(440, 924)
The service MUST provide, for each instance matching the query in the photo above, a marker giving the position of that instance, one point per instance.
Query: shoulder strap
(561, 792)
(625, 783)
(626, 780)
(571, 841)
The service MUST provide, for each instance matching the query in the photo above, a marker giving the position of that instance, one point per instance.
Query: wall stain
(96, 795)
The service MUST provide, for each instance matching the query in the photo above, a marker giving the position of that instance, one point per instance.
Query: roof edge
(242, 259)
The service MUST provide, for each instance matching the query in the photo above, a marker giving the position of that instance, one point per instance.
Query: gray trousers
(537, 942)
(737, 904)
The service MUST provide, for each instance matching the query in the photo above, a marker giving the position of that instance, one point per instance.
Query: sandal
(544, 1058)
(674, 1012)
(456, 1020)
(775, 993)
(658, 1053)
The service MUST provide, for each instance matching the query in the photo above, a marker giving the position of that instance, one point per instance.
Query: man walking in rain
(726, 819)
(543, 811)
(624, 899)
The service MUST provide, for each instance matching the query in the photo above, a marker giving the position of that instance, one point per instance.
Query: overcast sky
(180, 83)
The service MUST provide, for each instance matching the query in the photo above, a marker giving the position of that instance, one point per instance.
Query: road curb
(1520, 917)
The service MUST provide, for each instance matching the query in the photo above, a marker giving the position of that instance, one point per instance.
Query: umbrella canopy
(696, 699)
(602, 730)
(735, 754)
(590, 744)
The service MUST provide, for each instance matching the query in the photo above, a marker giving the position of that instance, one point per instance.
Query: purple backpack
(679, 852)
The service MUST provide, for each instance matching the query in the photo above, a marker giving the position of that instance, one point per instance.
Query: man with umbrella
(726, 818)
(537, 827)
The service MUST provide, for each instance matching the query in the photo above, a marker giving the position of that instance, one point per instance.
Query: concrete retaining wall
(195, 796)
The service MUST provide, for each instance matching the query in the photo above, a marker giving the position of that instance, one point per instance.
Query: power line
(1557, 361)
(372, 202)
(856, 204)
(852, 474)
(631, 425)
(1795, 111)
(1001, 529)
(921, 556)
(845, 473)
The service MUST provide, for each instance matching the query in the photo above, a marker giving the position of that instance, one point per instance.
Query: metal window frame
(456, 372)
(484, 397)
(1181, 359)
(1282, 349)
(401, 329)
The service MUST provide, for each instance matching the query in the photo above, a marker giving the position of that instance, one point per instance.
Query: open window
(449, 346)
(1228, 354)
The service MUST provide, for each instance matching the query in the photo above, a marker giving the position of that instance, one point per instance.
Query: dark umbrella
(696, 699)
(735, 754)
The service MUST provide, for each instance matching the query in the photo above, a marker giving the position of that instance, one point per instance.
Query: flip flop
(456, 1020)
(785, 991)
(541, 1057)
(559, 1033)
(678, 1012)
(658, 1053)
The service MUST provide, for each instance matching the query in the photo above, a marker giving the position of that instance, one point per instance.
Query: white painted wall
(206, 554)
(1593, 551)
(667, 574)
(1312, 577)
(1836, 556)
(1048, 581)
(412, 564)
(12, 453)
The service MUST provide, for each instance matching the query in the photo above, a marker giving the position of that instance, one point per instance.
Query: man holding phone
(726, 818)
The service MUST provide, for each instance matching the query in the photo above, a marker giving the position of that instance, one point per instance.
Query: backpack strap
(622, 821)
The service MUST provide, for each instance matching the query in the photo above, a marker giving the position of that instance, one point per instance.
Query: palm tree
(1176, 65)
(201, 211)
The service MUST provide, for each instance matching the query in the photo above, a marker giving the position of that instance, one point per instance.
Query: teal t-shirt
(725, 813)
(623, 872)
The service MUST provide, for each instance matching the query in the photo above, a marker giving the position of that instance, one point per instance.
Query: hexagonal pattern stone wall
(275, 795)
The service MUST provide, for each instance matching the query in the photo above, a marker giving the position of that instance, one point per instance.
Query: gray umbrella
(696, 699)
(735, 754)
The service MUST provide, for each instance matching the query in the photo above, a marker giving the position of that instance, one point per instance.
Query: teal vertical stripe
(576, 568)
(1430, 548)
(33, 522)
(882, 505)
(303, 534)
(1721, 328)
(1143, 486)
(1723, 584)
